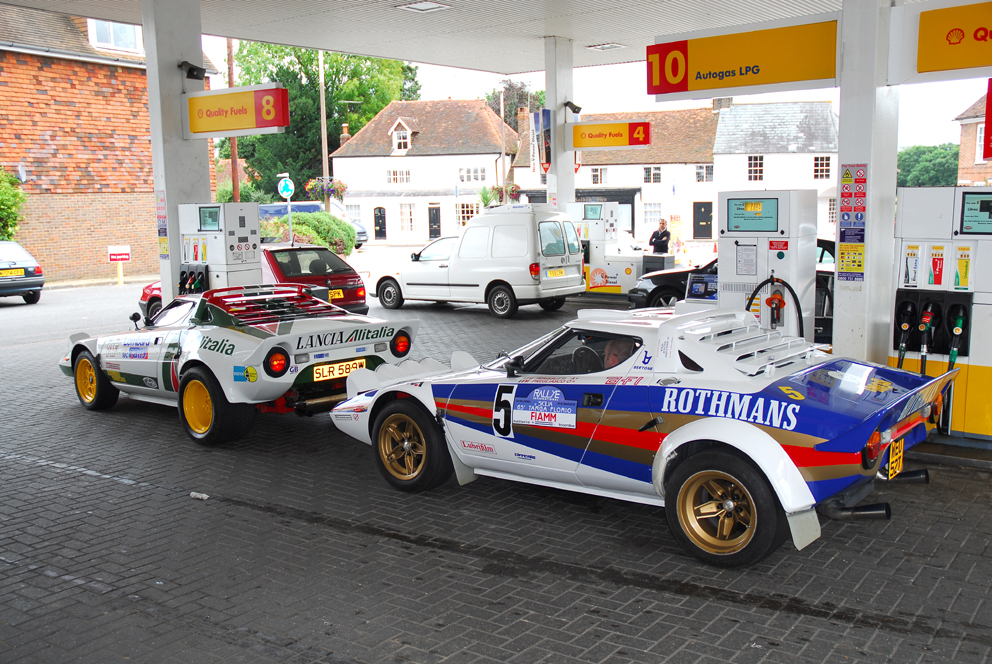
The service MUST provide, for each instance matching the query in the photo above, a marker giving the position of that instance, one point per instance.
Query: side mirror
(415, 256)
(135, 317)
(514, 366)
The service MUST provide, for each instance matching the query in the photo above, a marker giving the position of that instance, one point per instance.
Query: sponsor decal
(116, 376)
(343, 417)
(744, 407)
(525, 457)
(112, 365)
(337, 338)
(223, 346)
(545, 407)
(477, 448)
(645, 362)
(665, 347)
(621, 380)
(150, 382)
(294, 369)
(549, 379)
(245, 374)
(361, 349)
(320, 356)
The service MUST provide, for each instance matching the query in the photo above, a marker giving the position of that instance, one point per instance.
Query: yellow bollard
(120, 273)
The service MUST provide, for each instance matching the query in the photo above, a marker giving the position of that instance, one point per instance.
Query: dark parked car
(20, 273)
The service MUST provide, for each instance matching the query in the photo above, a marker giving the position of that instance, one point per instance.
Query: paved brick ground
(303, 554)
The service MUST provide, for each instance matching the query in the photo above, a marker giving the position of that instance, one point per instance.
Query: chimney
(722, 102)
(522, 120)
(345, 136)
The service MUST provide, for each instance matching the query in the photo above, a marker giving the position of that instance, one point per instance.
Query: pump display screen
(210, 218)
(976, 213)
(593, 212)
(750, 215)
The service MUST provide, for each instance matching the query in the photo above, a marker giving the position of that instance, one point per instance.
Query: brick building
(972, 169)
(74, 126)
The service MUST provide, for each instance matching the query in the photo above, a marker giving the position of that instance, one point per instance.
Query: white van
(506, 256)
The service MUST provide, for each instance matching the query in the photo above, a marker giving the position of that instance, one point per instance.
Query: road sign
(254, 109)
(119, 253)
(608, 135)
(286, 188)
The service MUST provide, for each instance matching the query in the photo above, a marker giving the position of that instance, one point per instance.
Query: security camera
(192, 71)
(572, 107)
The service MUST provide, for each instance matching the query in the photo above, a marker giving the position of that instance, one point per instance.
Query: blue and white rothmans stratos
(222, 356)
(740, 432)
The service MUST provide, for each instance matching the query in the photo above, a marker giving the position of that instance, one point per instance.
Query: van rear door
(561, 254)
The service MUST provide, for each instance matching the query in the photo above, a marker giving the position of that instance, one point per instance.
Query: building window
(406, 217)
(466, 211)
(121, 36)
(704, 173)
(354, 212)
(652, 215)
(598, 176)
(755, 168)
(544, 178)
(980, 144)
(652, 174)
(401, 139)
(470, 174)
(398, 177)
(832, 211)
(821, 168)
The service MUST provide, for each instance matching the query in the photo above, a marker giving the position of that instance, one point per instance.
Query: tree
(515, 95)
(371, 81)
(928, 166)
(11, 200)
(411, 86)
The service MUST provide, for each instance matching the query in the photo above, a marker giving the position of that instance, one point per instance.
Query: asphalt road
(302, 553)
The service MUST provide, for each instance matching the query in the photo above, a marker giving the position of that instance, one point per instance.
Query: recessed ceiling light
(424, 7)
(606, 47)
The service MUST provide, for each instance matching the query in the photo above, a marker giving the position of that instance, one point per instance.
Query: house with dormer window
(974, 170)
(414, 172)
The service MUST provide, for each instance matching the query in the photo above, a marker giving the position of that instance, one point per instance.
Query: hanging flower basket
(318, 188)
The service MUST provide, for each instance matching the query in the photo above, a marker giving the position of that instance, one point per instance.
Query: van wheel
(390, 295)
(502, 303)
(553, 305)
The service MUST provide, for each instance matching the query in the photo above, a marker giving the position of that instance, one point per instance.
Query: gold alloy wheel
(716, 512)
(86, 380)
(401, 447)
(197, 407)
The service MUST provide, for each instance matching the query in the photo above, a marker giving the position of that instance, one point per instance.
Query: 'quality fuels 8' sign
(232, 112)
(777, 55)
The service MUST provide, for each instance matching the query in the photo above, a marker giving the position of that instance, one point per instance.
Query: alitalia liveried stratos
(743, 434)
(224, 355)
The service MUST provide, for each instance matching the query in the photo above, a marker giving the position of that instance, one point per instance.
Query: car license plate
(336, 294)
(895, 458)
(337, 370)
(558, 272)
(19, 272)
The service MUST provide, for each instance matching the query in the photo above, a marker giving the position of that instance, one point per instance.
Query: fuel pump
(926, 325)
(609, 267)
(767, 257)
(220, 246)
(958, 316)
(906, 317)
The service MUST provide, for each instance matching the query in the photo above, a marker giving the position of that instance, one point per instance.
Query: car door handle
(442, 266)
(590, 400)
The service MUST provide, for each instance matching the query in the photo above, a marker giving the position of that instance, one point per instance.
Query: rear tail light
(400, 345)
(535, 271)
(872, 449)
(936, 408)
(37, 271)
(361, 293)
(276, 362)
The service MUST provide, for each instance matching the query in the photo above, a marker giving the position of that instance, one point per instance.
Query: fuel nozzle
(926, 325)
(776, 303)
(959, 315)
(907, 314)
(183, 278)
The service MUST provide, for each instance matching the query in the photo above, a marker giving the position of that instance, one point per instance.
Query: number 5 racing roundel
(543, 406)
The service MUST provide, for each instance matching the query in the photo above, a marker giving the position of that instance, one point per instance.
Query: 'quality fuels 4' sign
(761, 57)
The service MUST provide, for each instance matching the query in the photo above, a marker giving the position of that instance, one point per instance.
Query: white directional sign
(286, 188)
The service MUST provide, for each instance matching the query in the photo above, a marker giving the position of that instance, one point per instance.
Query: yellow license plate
(337, 370)
(895, 458)
(335, 294)
(19, 272)
(560, 272)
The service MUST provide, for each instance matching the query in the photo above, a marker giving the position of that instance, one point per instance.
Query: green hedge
(11, 200)
(315, 228)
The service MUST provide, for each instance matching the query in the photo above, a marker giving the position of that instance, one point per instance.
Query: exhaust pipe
(835, 510)
(319, 405)
(908, 477)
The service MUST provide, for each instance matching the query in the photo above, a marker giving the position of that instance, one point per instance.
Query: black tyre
(553, 304)
(94, 389)
(409, 449)
(666, 297)
(502, 302)
(359, 245)
(721, 509)
(32, 297)
(154, 306)
(390, 295)
(206, 414)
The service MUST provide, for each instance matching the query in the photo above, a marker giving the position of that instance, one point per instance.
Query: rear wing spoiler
(922, 398)
(257, 305)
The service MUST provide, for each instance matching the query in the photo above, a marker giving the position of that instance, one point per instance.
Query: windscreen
(11, 252)
(308, 261)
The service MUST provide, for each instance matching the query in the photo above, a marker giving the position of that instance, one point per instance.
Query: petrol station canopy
(503, 37)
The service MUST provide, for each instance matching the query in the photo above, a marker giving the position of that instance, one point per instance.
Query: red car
(306, 264)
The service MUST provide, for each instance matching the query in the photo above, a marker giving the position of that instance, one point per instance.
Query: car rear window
(552, 243)
(13, 252)
(308, 261)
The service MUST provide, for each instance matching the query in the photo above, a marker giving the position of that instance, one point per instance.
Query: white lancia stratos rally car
(741, 433)
(228, 353)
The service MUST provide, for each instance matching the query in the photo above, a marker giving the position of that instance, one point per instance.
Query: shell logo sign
(955, 38)
(762, 57)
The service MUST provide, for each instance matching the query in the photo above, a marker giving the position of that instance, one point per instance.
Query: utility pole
(235, 180)
(503, 198)
(323, 133)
